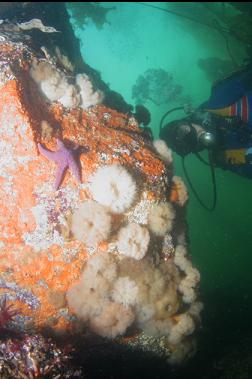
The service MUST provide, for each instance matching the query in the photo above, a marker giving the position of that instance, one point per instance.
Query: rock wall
(92, 230)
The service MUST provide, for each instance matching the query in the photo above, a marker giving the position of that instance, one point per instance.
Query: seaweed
(157, 86)
(82, 13)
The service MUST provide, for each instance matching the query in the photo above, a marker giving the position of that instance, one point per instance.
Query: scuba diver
(222, 126)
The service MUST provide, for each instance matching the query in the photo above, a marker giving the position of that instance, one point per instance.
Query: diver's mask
(184, 137)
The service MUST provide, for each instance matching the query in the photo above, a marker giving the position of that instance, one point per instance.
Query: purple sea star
(65, 158)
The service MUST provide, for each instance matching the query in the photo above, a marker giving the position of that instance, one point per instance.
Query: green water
(138, 38)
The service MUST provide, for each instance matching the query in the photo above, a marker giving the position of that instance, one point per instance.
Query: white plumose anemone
(161, 218)
(163, 150)
(133, 241)
(91, 223)
(113, 187)
(125, 291)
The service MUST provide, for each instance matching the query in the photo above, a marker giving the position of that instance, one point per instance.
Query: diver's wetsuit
(230, 110)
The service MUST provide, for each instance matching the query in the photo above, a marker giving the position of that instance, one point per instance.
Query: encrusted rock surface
(40, 258)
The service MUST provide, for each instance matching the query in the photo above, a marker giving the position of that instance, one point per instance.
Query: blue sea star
(64, 158)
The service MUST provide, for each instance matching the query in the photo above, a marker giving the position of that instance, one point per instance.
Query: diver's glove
(188, 109)
(202, 118)
(207, 120)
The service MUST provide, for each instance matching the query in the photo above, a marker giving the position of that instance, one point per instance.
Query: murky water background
(138, 38)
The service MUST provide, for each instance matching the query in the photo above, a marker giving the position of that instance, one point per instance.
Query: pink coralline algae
(29, 357)
(7, 313)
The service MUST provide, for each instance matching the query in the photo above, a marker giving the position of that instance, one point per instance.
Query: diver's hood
(180, 136)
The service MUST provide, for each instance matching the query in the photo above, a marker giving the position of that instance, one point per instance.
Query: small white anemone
(125, 291)
(112, 321)
(161, 218)
(163, 150)
(113, 187)
(181, 190)
(133, 241)
(91, 223)
(183, 327)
